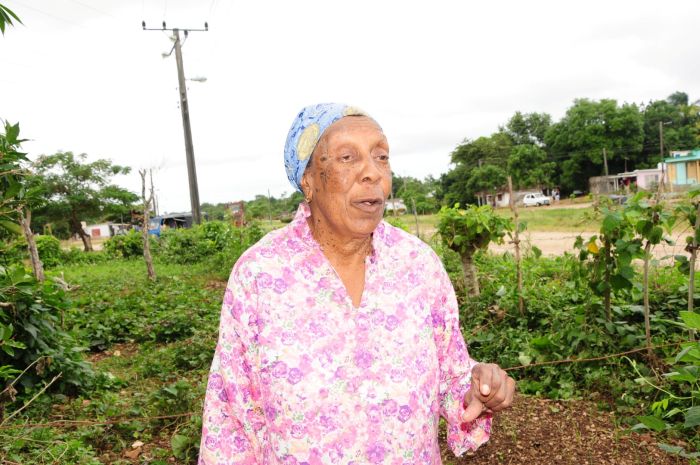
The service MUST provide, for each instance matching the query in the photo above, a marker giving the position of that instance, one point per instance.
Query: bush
(214, 240)
(127, 245)
(76, 256)
(49, 249)
(30, 330)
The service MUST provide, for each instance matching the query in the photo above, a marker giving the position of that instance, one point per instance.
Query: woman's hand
(492, 389)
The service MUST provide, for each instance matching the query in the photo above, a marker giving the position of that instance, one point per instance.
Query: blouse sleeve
(233, 419)
(455, 369)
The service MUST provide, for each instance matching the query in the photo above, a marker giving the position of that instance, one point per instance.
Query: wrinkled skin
(349, 164)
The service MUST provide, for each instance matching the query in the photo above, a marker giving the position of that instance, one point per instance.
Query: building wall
(648, 180)
(692, 170)
(671, 169)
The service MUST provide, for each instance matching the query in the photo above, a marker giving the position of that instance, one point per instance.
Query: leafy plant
(126, 245)
(466, 231)
(31, 333)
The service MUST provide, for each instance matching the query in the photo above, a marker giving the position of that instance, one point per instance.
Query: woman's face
(349, 178)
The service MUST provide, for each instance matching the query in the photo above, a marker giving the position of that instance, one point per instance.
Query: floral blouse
(301, 376)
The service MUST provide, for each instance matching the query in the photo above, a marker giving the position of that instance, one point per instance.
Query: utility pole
(661, 140)
(605, 161)
(185, 110)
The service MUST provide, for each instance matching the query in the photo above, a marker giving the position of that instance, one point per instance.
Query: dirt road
(556, 243)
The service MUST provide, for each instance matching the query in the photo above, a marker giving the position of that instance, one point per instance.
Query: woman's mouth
(370, 205)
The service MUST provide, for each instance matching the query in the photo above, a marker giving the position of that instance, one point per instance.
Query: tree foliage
(77, 190)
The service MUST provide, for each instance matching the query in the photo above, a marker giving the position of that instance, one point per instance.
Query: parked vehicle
(173, 220)
(535, 199)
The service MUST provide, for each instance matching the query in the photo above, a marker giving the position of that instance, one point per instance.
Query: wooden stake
(516, 243)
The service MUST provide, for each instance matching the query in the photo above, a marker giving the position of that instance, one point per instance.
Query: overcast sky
(82, 76)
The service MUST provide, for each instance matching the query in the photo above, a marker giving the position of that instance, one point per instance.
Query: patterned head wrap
(305, 133)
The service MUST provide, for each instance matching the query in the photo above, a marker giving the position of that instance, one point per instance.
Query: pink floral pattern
(300, 376)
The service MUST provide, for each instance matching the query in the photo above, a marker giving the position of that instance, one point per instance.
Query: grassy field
(551, 219)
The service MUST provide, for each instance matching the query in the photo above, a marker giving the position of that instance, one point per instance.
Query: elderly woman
(339, 340)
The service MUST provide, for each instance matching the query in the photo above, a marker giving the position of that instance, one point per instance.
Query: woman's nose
(370, 172)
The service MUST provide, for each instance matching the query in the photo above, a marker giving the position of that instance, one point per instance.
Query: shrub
(75, 256)
(49, 249)
(30, 330)
(127, 245)
(218, 241)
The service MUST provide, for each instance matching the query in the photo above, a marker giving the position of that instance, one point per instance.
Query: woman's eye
(382, 156)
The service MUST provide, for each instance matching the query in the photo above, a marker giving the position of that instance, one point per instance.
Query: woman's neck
(341, 250)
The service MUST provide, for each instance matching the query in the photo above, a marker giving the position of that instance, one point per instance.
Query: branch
(23, 371)
(32, 399)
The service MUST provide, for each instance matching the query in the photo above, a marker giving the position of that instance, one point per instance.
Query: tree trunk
(37, 266)
(78, 229)
(144, 227)
(471, 280)
(647, 324)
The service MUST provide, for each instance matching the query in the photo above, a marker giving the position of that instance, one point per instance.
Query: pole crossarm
(173, 29)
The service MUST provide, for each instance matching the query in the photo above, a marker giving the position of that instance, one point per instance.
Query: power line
(77, 2)
(51, 15)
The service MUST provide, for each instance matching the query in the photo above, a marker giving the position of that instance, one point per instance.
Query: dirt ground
(556, 243)
(542, 431)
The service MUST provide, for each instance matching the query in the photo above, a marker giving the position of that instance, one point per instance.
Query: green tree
(681, 126)
(215, 212)
(589, 127)
(486, 179)
(528, 166)
(528, 128)
(411, 190)
(77, 190)
(492, 149)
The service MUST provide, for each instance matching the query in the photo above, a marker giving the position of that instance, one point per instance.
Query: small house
(395, 206)
(683, 167)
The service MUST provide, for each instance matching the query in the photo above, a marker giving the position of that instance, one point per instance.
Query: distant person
(339, 339)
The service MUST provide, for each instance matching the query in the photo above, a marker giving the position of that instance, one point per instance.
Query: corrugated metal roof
(693, 155)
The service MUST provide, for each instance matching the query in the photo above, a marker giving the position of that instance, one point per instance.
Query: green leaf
(692, 417)
(180, 444)
(540, 342)
(618, 282)
(524, 359)
(610, 223)
(653, 423)
(691, 319)
(11, 227)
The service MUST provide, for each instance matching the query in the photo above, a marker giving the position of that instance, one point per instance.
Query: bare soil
(543, 431)
(553, 243)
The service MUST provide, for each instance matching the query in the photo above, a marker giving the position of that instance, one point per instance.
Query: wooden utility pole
(605, 162)
(185, 110)
(661, 140)
(415, 215)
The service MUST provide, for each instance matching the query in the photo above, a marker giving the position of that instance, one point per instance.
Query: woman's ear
(306, 184)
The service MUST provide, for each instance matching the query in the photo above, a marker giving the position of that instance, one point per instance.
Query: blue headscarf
(305, 133)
